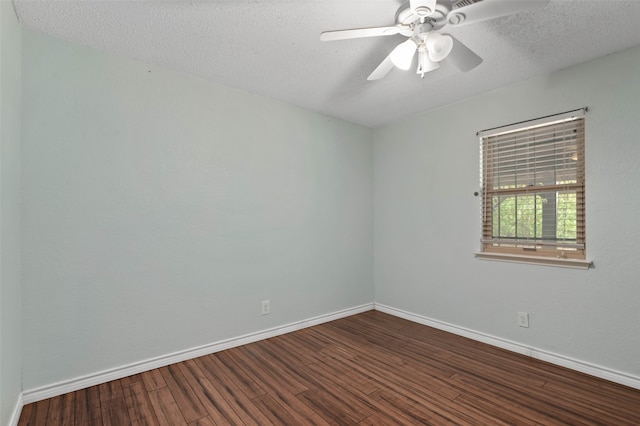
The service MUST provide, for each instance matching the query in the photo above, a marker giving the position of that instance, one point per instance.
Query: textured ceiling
(272, 47)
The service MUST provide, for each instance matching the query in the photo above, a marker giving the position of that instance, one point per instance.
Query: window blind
(533, 188)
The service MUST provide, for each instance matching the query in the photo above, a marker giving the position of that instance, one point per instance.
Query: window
(532, 178)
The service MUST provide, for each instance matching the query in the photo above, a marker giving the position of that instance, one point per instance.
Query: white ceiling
(272, 47)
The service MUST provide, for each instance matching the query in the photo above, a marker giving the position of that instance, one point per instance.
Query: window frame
(536, 250)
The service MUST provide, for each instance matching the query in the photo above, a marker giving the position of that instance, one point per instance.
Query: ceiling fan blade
(462, 57)
(362, 32)
(490, 9)
(381, 70)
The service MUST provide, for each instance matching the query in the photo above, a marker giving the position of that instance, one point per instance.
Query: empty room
(358, 212)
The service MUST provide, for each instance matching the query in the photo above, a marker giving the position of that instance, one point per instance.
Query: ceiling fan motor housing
(422, 11)
(422, 8)
(437, 16)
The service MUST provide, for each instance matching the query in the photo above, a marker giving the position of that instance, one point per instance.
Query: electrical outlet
(266, 308)
(523, 319)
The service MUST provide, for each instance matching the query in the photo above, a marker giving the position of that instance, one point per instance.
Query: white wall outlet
(266, 308)
(523, 319)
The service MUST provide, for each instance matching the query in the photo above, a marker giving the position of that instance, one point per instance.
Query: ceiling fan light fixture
(402, 55)
(439, 46)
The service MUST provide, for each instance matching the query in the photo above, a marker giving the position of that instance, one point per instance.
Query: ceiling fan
(423, 21)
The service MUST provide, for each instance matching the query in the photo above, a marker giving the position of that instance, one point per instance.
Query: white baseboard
(571, 363)
(17, 410)
(60, 388)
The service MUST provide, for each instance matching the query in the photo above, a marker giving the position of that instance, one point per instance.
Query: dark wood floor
(368, 369)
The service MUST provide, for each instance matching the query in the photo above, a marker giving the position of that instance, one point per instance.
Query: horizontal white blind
(533, 188)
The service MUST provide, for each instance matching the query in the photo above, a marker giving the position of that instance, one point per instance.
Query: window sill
(536, 260)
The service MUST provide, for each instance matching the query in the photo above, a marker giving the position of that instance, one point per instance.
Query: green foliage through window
(522, 216)
(517, 216)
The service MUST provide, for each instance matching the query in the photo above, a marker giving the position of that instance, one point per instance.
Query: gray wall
(427, 222)
(10, 293)
(160, 209)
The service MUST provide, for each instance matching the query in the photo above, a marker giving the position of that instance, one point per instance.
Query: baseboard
(17, 410)
(60, 388)
(571, 363)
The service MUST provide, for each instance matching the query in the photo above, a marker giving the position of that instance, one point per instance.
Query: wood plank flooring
(367, 369)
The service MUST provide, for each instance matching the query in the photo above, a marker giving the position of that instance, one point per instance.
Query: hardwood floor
(368, 369)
